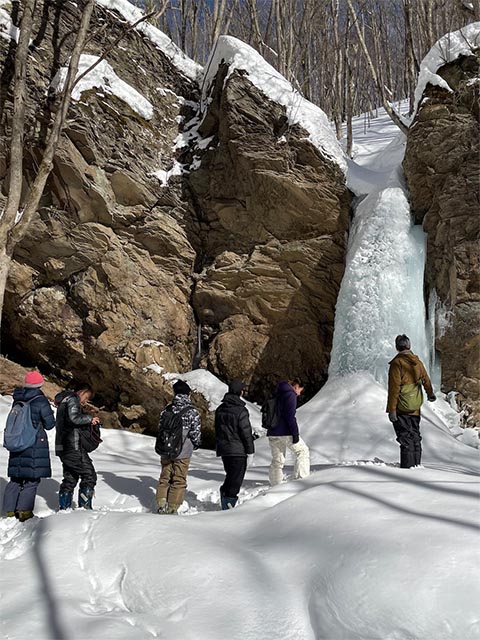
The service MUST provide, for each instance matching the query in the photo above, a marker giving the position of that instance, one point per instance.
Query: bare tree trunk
(379, 86)
(12, 229)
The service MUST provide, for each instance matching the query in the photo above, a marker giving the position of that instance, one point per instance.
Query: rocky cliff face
(272, 229)
(442, 169)
(100, 287)
(117, 269)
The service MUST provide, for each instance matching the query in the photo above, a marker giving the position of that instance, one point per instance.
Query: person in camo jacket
(173, 477)
(405, 377)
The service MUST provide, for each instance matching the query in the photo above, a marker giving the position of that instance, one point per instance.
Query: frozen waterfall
(382, 289)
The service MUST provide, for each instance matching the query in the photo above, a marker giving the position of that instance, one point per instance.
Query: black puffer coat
(70, 419)
(233, 430)
(33, 463)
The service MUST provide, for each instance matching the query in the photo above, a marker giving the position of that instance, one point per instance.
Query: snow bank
(447, 49)
(177, 57)
(356, 551)
(239, 55)
(104, 78)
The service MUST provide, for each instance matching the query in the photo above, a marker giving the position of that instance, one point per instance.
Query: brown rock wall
(443, 172)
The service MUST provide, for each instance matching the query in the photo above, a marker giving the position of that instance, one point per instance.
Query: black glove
(295, 439)
(392, 416)
(432, 398)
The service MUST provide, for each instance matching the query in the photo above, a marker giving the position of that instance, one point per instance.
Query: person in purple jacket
(285, 434)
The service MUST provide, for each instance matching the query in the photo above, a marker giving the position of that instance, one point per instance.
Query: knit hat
(236, 387)
(181, 387)
(402, 343)
(33, 380)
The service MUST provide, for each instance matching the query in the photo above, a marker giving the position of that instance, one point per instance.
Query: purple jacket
(287, 407)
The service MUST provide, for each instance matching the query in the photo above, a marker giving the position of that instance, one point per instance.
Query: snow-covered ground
(360, 549)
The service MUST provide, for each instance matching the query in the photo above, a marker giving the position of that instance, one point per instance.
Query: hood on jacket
(284, 387)
(408, 356)
(22, 394)
(233, 399)
(180, 401)
(61, 396)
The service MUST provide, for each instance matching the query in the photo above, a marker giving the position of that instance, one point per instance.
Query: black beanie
(402, 342)
(181, 387)
(236, 387)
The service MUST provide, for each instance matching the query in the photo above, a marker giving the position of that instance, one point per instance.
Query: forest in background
(347, 56)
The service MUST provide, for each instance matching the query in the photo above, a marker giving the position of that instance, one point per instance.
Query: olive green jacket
(406, 368)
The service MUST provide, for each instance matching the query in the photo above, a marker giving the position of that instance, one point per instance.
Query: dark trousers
(235, 467)
(20, 494)
(407, 429)
(77, 465)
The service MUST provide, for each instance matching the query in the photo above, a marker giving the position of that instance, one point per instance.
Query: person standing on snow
(77, 464)
(285, 434)
(26, 468)
(406, 377)
(173, 477)
(233, 433)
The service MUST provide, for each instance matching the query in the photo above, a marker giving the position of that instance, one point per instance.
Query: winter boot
(172, 509)
(25, 515)
(162, 505)
(228, 503)
(65, 500)
(11, 514)
(85, 496)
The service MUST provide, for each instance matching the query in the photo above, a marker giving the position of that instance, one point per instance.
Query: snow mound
(239, 55)
(104, 78)
(8, 31)
(447, 49)
(177, 57)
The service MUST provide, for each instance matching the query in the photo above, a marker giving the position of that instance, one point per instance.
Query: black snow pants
(235, 468)
(407, 429)
(77, 464)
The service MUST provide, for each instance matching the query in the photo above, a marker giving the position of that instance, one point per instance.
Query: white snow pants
(278, 445)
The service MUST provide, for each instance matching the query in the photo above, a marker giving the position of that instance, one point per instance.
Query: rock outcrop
(123, 261)
(100, 287)
(273, 217)
(442, 168)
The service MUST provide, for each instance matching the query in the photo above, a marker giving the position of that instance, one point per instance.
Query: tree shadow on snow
(52, 618)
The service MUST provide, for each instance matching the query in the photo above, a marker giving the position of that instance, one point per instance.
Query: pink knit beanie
(33, 379)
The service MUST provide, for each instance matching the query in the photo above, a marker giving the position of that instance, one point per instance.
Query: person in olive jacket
(77, 464)
(406, 376)
(233, 433)
(26, 468)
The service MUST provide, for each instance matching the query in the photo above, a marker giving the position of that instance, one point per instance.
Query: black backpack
(270, 414)
(169, 442)
(90, 437)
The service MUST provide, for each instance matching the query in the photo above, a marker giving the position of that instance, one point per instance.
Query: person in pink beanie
(26, 468)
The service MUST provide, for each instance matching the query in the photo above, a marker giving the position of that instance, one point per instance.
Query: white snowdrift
(359, 550)
(8, 31)
(447, 49)
(104, 78)
(239, 55)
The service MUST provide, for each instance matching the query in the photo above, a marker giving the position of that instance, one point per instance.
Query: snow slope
(361, 549)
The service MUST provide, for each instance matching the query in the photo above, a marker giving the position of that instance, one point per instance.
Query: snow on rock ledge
(103, 77)
(132, 14)
(239, 55)
(447, 49)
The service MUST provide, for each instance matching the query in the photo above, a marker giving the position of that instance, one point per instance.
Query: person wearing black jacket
(233, 433)
(77, 464)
